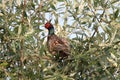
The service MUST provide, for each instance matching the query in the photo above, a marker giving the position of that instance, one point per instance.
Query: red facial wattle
(48, 25)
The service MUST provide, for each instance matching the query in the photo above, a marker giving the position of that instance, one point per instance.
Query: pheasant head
(50, 28)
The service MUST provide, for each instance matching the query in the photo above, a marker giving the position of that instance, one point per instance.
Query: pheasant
(56, 45)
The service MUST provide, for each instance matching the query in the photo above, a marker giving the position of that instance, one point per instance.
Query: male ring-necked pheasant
(56, 45)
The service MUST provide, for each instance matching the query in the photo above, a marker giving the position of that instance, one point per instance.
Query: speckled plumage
(56, 45)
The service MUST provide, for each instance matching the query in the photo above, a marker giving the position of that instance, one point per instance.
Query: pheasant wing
(61, 47)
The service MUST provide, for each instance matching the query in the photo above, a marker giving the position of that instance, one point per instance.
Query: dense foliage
(91, 26)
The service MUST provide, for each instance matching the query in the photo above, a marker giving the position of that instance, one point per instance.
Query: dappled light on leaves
(92, 27)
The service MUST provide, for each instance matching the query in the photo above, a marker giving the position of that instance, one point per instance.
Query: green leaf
(52, 6)
(77, 8)
(24, 14)
(116, 13)
(4, 64)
